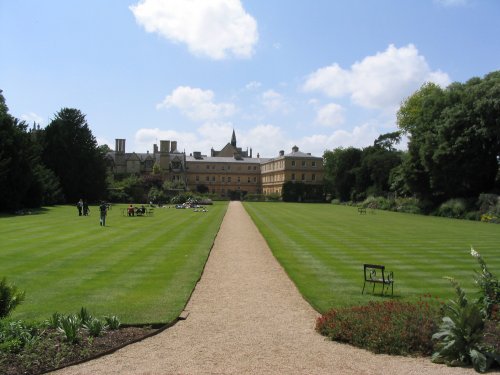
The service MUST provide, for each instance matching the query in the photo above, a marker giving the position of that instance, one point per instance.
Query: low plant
(84, 316)
(468, 331)
(16, 335)
(69, 326)
(391, 327)
(54, 321)
(10, 298)
(112, 322)
(95, 327)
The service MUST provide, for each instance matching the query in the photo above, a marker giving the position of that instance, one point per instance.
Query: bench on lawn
(376, 274)
(362, 210)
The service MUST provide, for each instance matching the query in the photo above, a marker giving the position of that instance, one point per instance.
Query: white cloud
(275, 102)
(197, 104)
(212, 28)
(32, 117)
(330, 115)
(381, 81)
(254, 85)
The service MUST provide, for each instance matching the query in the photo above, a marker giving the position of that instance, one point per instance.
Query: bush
(95, 327)
(69, 326)
(454, 208)
(10, 298)
(391, 327)
(16, 335)
(112, 322)
(464, 334)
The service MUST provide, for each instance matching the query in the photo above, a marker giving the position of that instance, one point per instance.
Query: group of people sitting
(136, 211)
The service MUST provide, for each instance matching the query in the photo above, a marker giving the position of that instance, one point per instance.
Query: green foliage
(54, 321)
(453, 139)
(391, 327)
(10, 298)
(453, 208)
(16, 335)
(489, 286)
(462, 338)
(112, 322)
(69, 327)
(95, 327)
(71, 151)
(84, 316)
(460, 332)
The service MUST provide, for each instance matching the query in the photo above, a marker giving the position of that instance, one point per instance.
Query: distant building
(229, 170)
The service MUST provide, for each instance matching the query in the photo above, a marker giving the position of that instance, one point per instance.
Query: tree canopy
(454, 139)
(71, 151)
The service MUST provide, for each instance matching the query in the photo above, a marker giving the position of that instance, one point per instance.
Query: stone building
(229, 170)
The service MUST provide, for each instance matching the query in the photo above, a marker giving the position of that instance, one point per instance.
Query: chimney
(155, 148)
(164, 146)
(173, 146)
(282, 153)
(250, 152)
(120, 145)
(295, 149)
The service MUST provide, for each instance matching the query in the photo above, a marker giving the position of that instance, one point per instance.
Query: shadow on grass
(24, 212)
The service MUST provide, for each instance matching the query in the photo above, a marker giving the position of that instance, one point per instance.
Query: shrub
(95, 327)
(391, 327)
(16, 335)
(69, 326)
(84, 316)
(453, 208)
(112, 322)
(469, 330)
(10, 298)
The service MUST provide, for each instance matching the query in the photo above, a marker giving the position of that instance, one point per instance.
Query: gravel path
(247, 317)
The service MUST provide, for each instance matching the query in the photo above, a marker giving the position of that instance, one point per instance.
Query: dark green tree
(71, 151)
(454, 139)
(18, 158)
(341, 169)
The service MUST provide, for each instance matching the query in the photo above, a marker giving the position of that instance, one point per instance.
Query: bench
(376, 274)
(362, 210)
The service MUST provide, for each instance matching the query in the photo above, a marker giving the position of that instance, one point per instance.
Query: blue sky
(318, 74)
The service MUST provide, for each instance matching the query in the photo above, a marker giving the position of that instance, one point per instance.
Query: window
(304, 163)
(293, 176)
(293, 163)
(254, 167)
(213, 178)
(255, 179)
(303, 177)
(313, 164)
(197, 178)
(229, 179)
(238, 178)
(223, 179)
(208, 166)
(313, 177)
(248, 180)
(249, 167)
(207, 178)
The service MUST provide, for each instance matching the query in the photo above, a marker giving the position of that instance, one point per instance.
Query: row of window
(294, 177)
(226, 179)
(294, 163)
(227, 167)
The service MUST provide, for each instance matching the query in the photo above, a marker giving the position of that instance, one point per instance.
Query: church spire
(233, 139)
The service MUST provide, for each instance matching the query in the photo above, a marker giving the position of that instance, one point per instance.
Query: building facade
(223, 172)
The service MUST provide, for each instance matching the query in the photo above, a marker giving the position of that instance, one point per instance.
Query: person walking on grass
(103, 210)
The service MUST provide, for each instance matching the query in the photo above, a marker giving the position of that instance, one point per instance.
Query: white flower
(474, 253)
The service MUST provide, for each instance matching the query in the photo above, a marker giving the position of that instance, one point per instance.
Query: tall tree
(454, 136)
(18, 158)
(71, 151)
(340, 170)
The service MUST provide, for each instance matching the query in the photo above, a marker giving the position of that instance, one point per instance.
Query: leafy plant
(16, 335)
(488, 285)
(10, 298)
(95, 327)
(112, 322)
(460, 333)
(84, 316)
(54, 321)
(69, 326)
(391, 327)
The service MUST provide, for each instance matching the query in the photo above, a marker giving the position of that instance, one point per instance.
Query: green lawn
(142, 269)
(323, 248)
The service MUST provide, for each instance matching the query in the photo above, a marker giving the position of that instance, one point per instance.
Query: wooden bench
(375, 274)
(362, 210)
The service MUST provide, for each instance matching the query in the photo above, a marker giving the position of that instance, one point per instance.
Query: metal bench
(376, 274)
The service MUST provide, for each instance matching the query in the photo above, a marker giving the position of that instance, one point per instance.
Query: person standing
(79, 205)
(103, 210)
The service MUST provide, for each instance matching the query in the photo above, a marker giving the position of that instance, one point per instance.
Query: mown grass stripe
(323, 248)
(142, 269)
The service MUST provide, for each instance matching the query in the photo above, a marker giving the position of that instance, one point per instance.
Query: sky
(318, 74)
